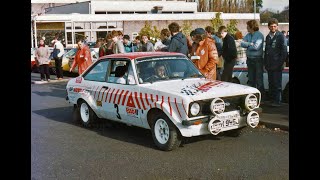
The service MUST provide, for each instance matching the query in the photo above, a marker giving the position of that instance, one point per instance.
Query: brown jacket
(208, 53)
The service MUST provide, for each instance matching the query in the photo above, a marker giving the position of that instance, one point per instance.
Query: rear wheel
(164, 133)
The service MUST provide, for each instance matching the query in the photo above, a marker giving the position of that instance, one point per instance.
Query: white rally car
(163, 92)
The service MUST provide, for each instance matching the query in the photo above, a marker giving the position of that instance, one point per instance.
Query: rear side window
(98, 72)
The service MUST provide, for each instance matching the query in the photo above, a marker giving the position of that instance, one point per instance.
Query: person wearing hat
(207, 52)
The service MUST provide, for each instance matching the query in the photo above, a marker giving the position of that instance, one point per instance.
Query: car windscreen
(71, 53)
(166, 68)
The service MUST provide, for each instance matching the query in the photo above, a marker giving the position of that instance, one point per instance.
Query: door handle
(106, 87)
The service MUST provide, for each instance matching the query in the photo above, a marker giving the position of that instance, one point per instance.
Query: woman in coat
(82, 58)
(42, 59)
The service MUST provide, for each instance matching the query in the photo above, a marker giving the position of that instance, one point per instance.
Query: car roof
(135, 55)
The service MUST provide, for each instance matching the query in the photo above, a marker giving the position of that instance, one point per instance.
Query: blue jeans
(255, 74)
(275, 86)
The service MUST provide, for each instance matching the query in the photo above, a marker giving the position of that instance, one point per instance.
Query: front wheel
(165, 135)
(87, 115)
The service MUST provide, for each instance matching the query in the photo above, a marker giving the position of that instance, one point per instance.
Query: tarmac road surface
(63, 149)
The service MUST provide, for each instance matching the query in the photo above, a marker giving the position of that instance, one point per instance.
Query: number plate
(223, 122)
(229, 118)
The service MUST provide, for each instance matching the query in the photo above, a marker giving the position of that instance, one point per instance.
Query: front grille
(234, 102)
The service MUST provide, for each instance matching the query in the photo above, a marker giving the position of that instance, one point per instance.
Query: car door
(120, 101)
(95, 80)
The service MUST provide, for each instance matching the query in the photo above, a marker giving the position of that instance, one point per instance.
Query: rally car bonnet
(198, 89)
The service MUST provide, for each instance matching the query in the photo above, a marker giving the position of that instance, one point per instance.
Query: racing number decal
(118, 115)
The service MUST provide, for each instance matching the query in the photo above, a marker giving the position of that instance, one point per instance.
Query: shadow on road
(114, 130)
(105, 128)
(56, 90)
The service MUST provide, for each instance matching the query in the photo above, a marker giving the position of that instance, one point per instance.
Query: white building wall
(142, 6)
(143, 17)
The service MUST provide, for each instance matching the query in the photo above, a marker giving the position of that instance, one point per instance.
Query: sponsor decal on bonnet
(200, 87)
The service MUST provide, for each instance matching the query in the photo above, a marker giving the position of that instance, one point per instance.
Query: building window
(177, 12)
(113, 12)
(166, 12)
(141, 12)
(127, 12)
(100, 12)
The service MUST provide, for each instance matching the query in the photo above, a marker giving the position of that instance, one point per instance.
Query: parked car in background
(163, 92)
(240, 76)
(91, 44)
(34, 67)
(68, 58)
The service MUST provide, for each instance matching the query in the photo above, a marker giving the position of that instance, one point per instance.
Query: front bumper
(206, 119)
(212, 124)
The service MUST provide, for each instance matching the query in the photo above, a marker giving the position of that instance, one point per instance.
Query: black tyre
(234, 132)
(87, 115)
(285, 94)
(164, 133)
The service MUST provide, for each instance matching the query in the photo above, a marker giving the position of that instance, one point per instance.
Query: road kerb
(51, 81)
(271, 125)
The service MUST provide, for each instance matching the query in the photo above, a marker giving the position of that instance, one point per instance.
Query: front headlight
(217, 106)
(251, 102)
(195, 109)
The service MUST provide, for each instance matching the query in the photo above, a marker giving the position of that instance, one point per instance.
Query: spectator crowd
(214, 53)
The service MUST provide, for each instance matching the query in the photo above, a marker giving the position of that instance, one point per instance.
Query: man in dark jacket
(229, 54)
(274, 58)
(178, 40)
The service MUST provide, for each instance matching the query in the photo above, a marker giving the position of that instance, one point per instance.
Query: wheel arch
(154, 111)
(79, 100)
